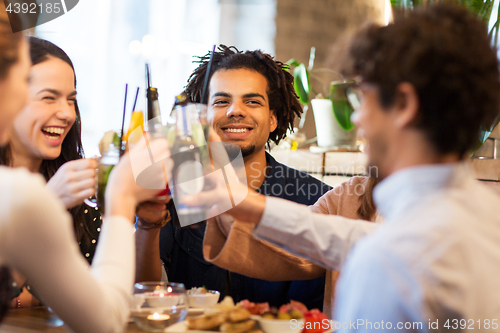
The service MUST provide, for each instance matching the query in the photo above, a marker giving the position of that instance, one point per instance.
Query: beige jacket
(240, 252)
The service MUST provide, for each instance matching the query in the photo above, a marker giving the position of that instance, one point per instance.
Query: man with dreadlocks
(251, 102)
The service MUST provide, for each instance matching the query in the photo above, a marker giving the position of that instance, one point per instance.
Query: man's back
(436, 261)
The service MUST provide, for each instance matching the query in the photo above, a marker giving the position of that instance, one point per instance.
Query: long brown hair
(72, 147)
(367, 208)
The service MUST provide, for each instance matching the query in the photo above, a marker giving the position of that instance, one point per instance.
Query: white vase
(328, 130)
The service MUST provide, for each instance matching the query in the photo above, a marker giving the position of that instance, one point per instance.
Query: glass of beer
(187, 134)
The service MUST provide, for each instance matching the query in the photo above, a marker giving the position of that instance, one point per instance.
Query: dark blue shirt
(181, 249)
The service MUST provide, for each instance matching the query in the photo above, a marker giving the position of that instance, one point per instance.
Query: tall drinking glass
(187, 134)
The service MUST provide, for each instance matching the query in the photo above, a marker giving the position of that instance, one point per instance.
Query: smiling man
(430, 83)
(251, 102)
(239, 112)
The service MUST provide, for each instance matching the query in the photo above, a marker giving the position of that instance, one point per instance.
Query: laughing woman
(47, 139)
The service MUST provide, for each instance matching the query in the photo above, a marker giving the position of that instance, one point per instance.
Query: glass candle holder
(157, 305)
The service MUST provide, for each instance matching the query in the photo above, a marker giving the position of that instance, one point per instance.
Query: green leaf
(293, 62)
(341, 107)
(301, 83)
(342, 112)
(481, 8)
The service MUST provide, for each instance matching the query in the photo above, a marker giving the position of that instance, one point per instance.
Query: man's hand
(74, 181)
(153, 212)
(122, 192)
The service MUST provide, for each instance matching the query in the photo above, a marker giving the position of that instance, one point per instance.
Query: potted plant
(332, 115)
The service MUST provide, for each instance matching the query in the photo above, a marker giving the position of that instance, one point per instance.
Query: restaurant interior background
(109, 41)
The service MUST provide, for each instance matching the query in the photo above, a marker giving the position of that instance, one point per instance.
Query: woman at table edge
(36, 235)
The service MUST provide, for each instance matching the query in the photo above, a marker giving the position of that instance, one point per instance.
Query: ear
(273, 123)
(406, 105)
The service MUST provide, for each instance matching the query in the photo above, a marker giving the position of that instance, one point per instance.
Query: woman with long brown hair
(47, 139)
(36, 233)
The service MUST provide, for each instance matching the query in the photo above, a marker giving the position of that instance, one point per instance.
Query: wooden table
(39, 319)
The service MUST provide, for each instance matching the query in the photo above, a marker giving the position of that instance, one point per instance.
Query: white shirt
(323, 239)
(37, 239)
(434, 263)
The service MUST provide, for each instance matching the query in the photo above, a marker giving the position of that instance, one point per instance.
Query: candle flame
(158, 316)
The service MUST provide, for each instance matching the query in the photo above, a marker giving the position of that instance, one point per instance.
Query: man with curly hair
(251, 102)
(429, 83)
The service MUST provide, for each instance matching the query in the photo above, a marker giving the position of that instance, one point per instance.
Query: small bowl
(160, 300)
(157, 305)
(280, 325)
(203, 300)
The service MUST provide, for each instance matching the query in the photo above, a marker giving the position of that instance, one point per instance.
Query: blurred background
(109, 42)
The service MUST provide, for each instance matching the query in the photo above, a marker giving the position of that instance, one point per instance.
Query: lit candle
(158, 317)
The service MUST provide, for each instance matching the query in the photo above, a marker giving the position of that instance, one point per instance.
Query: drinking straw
(122, 150)
(135, 101)
(205, 84)
(148, 94)
(147, 76)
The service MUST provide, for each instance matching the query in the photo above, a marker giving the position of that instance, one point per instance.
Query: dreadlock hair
(283, 100)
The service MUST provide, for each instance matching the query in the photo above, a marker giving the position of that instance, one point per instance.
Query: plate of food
(182, 327)
(196, 311)
(235, 320)
(249, 317)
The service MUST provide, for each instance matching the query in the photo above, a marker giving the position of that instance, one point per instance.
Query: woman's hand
(122, 190)
(74, 181)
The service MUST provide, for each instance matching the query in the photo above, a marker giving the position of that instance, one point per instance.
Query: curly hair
(283, 100)
(445, 53)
